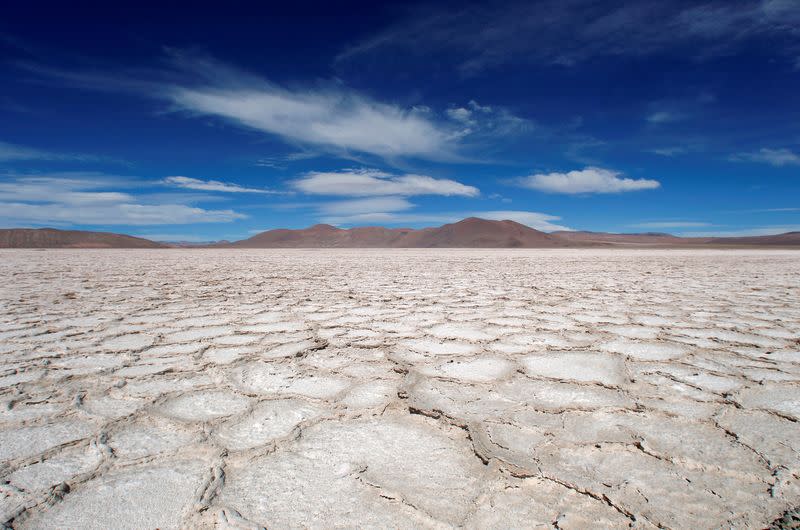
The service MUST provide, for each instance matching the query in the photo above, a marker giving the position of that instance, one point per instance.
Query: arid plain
(399, 389)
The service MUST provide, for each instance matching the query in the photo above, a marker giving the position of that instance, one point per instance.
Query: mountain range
(468, 233)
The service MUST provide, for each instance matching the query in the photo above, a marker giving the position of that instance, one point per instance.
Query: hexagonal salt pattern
(216, 389)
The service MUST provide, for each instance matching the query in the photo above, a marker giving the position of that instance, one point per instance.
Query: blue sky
(198, 124)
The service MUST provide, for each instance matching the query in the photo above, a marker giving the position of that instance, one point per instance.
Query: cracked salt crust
(406, 389)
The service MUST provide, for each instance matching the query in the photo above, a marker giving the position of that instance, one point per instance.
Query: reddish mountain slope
(325, 236)
(52, 238)
(632, 240)
(469, 233)
(789, 239)
(481, 233)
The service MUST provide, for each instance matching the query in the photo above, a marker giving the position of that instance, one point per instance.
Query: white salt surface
(212, 389)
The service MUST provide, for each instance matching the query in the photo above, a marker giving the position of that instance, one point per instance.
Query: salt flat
(402, 388)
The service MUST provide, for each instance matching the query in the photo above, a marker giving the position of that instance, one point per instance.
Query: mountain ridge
(56, 238)
(472, 232)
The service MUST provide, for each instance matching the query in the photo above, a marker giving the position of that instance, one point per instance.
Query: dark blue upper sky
(201, 123)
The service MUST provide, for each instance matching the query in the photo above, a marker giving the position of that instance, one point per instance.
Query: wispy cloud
(327, 117)
(211, 185)
(282, 161)
(13, 152)
(573, 31)
(90, 199)
(587, 180)
(487, 120)
(669, 151)
(365, 206)
(539, 221)
(332, 118)
(370, 182)
(665, 116)
(775, 157)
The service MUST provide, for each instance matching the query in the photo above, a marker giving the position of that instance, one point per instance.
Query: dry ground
(404, 388)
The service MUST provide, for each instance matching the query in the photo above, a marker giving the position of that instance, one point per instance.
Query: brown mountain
(789, 239)
(469, 233)
(580, 238)
(480, 233)
(53, 238)
(325, 236)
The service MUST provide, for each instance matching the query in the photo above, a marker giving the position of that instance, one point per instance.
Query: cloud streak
(539, 221)
(370, 182)
(13, 152)
(87, 199)
(332, 118)
(588, 180)
(568, 32)
(210, 185)
(327, 117)
(774, 157)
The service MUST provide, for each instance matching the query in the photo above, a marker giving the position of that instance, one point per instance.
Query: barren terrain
(403, 389)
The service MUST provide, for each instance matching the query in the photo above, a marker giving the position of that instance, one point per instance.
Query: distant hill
(53, 238)
(325, 236)
(481, 233)
(608, 239)
(468, 233)
(787, 239)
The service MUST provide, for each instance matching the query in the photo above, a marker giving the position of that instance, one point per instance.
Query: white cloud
(486, 121)
(83, 198)
(539, 221)
(369, 182)
(460, 114)
(588, 180)
(388, 218)
(364, 206)
(775, 157)
(77, 189)
(342, 120)
(326, 118)
(210, 185)
(333, 118)
(114, 214)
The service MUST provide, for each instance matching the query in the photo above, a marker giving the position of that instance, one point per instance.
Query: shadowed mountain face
(468, 233)
(52, 238)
